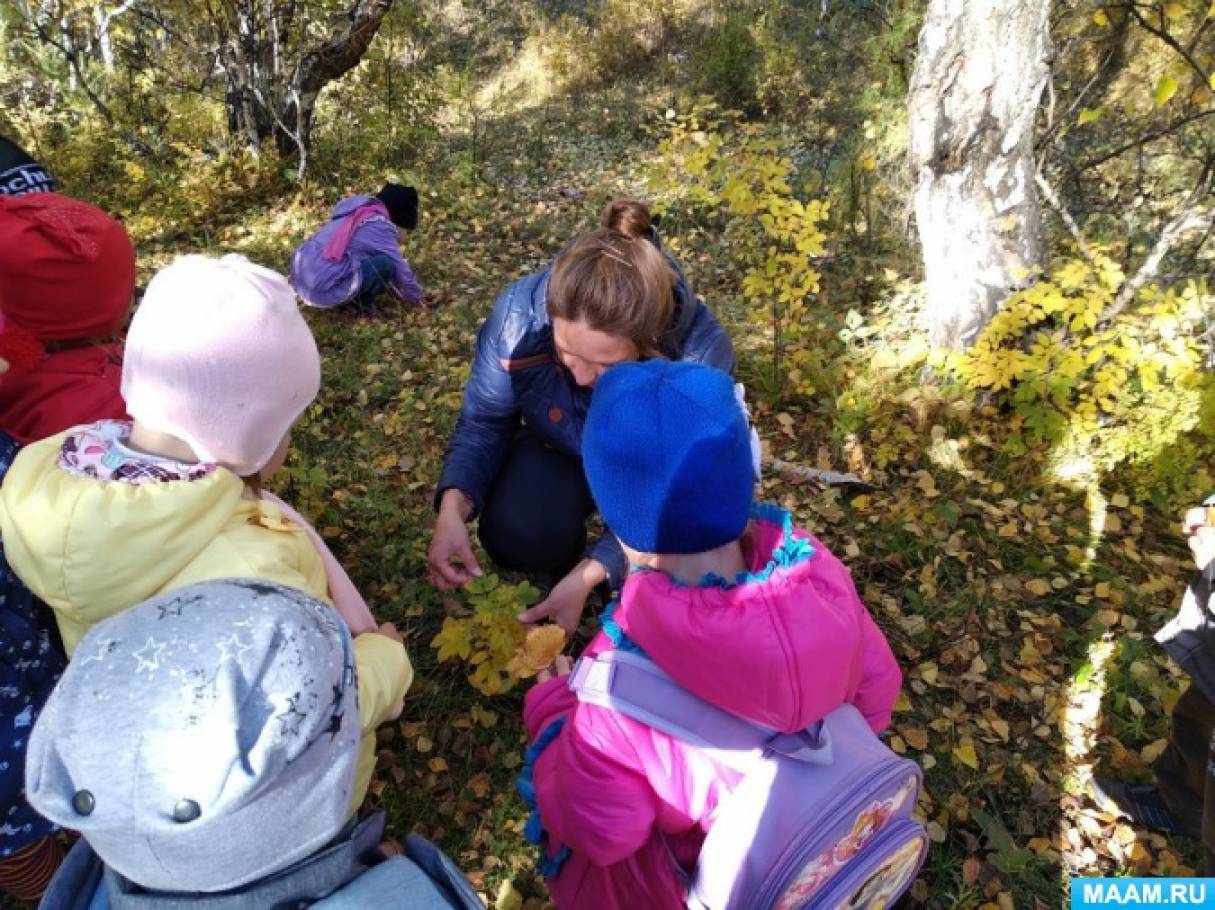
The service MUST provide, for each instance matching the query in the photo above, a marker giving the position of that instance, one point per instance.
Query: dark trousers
(534, 519)
(377, 271)
(1185, 771)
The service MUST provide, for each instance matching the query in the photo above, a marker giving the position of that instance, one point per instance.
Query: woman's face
(586, 353)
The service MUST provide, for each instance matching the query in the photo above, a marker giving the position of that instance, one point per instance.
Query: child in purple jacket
(356, 256)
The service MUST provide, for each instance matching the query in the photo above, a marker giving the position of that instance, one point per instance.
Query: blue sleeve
(607, 552)
(488, 418)
(707, 342)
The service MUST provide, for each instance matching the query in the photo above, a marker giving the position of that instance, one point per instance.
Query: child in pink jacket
(737, 605)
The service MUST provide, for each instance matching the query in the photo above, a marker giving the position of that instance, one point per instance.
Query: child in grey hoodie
(204, 743)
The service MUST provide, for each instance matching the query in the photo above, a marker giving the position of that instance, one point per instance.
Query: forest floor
(1021, 609)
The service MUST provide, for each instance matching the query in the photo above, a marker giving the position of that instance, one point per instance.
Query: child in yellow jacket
(219, 366)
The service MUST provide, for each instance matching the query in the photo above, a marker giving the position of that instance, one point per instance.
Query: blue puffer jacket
(516, 376)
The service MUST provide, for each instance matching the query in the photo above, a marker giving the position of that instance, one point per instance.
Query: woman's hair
(616, 279)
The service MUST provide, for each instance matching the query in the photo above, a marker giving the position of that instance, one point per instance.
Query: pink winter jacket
(783, 646)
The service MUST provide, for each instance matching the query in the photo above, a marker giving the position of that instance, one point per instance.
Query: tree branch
(1192, 217)
(1071, 108)
(1171, 42)
(1145, 139)
(1048, 193)
(72, 56)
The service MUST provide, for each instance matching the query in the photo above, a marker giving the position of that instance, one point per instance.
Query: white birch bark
(978, 79)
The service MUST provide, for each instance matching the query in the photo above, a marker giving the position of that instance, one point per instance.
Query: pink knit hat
(219, 356)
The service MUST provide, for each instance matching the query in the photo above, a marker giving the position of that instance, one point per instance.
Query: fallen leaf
(508, 897)
(971, 869)
(480, 784)
(965, 754)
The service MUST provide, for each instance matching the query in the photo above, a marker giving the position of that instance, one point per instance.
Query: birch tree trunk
(979, 75)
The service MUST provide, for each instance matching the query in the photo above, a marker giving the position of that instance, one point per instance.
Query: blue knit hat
(667, 453)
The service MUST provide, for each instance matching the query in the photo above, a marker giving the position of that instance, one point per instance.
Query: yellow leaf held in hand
(539, 649)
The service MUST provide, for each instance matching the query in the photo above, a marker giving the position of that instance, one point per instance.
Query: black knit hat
(402, 203)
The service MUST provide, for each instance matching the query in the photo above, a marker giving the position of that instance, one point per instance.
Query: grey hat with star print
(205, 738)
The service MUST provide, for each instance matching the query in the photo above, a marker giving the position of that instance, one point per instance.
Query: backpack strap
(638, 688)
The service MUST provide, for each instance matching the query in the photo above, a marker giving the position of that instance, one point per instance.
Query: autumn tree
(975, 90)
(276, 61)
(1129, 142)
(272, 57)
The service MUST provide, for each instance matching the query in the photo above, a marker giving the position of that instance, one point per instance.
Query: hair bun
(630, 217)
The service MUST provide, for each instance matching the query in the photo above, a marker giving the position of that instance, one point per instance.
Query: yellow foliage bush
(712, 164)
(1109, 385)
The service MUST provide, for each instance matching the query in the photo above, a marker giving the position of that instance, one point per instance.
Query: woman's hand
(566, 601)
(1199, 528)
(449, 542)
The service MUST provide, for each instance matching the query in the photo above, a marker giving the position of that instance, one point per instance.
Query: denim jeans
(376, 273)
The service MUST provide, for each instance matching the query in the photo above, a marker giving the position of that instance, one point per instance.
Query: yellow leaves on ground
(537, 652)
(965, 754)
(1038, 586)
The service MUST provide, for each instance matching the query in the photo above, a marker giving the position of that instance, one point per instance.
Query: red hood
(68, 388)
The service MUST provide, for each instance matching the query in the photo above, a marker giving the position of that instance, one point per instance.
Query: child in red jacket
(68, 273)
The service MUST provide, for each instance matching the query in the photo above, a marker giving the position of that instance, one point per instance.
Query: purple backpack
(821, 818)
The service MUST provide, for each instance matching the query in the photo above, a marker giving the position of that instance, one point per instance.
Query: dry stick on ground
(815, 475)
